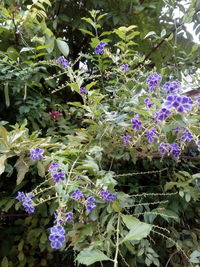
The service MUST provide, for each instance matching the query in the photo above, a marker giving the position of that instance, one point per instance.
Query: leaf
(2, 163)
(41, 169)
(149, 34)
(89, 256)
(22, 169)
(4, 262)
(88, 32)
(20, 245)
(130, 221)
(63, 47)
(163, 33)
(6, 94)
(138, 230)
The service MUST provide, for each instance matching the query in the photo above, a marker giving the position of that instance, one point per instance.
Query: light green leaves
(63, 47)
(138, 230)
(89, 256)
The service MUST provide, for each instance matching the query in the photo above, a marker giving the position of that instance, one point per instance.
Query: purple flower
(90, 199)
(187, 136)
(28, 203)
(36, 153)
(20, 196)
(68, 216)
(162, 114)
(82, 90)
(127, 139)
(172, 87)
(148, 103)
(90, 206)
(136, 123)
(77, 194)
(59, 176)
(63, 62)
(163, 148)
(126, 67)
(151, 134)
(153, 80)
(99, 50)
(57, 236)
(53, 167)
(108, 196)
(175, 150)
(180, 103)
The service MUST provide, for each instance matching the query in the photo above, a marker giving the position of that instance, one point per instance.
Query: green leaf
(89, 256)
(163, 33)
(130, 221)
(6, 94)
(149, 34)
(63, 47)
(22, 169)
(41, 169)
(2, 163)
(20, 245)
(138, 230)
(4, 262)
(88, 32)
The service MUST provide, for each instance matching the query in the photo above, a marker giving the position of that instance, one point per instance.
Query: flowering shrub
(124, 114)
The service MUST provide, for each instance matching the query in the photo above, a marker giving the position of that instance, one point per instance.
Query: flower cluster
(61, 218)
(162, 114)
(53, 167)
(148, 103)
(77, 194)
(54, 114)
(82, 90)
(126, 67)
(57, 236)
(174, 149)
(136, 123)
(172, 87)
(126, 139)
(36, 153)
(151, 134)
(27, 201)
(187, 136)
(153, 80)
(100, 48)
(108, 196)
(163, 148)
(90, 204)
(57, 175)
(63, 62)
(180, 103)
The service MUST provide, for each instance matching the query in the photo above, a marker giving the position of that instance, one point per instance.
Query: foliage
(130, 199)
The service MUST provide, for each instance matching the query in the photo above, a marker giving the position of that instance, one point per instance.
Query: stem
(117, 242)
